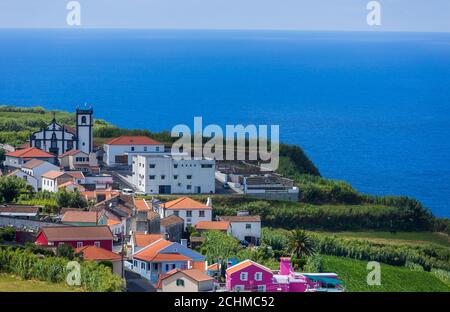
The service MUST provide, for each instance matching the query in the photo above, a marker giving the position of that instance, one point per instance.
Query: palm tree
(300, 244)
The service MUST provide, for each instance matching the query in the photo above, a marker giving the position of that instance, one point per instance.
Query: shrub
(314, 264)
(28, 265)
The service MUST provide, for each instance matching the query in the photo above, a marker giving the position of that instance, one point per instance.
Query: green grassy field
(10, 283)
(393, 279)
(400, 237)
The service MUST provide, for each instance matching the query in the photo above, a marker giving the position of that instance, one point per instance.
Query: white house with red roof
(118, 151)
(37, 167)
(19, 157)
(162, 256)
(191, 211)
(78, 160)
(52, 180)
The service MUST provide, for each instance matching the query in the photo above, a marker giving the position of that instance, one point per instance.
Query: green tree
(219, 246)
(10, 188)
(300, 244)
(65, 251)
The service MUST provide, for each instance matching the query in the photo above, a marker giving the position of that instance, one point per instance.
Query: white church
(58, 139)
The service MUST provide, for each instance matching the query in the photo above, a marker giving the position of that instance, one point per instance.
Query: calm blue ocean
(369, 108)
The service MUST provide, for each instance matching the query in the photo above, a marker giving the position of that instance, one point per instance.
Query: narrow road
(136, 283)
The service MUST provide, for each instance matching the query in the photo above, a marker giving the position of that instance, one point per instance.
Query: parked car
(127, 191)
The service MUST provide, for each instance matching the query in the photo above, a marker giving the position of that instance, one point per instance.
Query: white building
(191, 211)
(18, 158)
(53, 179)
(29, 179)
(78, 160)
(163, 173)
(244, 227)
(37, 168)
(58, 139)
(119, 151)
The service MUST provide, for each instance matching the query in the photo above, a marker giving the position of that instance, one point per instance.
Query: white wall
(112, 150)
(49, 185)
(38, 171)
(239, 230)
(184, 176)
(28, 178)
(193, 220)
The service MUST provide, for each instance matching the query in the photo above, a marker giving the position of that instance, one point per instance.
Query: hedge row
(94, 277)
(429, 257)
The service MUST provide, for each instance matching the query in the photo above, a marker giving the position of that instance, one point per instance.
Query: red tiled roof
(71, 153)
(143, 240)
(240, 218)
(244, 264)
(53, 174)
(149, 253)
(194, 274)
(71, 233)
(31, 152)
(141, 204)
(213, 225)
(214, 267)
(97, 253)
(80, 216)
(185, 203)
(33, 163)
(133, 140)
(172, 219)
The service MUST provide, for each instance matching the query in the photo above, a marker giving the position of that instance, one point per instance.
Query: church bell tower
(85, 129)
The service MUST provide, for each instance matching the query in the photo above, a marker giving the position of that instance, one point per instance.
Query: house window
(175, 166)
(37, 143)
(189, 177)
(243, 276)
(151, 166)
(135, 263)
(83, 119)
(180, 282)
(155, 266)
(248, 226)
(201, 213)
(163, 177)
(79, 244)
(145, 148)
(97, 244)
(261, 288)
(157, 148)
(189, 213)
(258, 276)
(188, 187)
(239, 288)
(152, 177)
(175, 177)
(132, 148)
(206, 166)
(167, 267)
(142, 265)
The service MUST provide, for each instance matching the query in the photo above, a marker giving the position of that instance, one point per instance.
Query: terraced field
(393, 279)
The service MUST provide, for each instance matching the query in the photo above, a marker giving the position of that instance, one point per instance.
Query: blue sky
(397, 15)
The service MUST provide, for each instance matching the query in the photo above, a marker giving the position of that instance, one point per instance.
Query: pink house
(251, 276)
(248, 276)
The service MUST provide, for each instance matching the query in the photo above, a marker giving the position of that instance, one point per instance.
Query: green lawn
(10, 283)
(393, 279)
(400, 237)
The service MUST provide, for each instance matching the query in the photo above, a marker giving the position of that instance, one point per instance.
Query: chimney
(209, 202)
(183, 242)
(285, 266)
